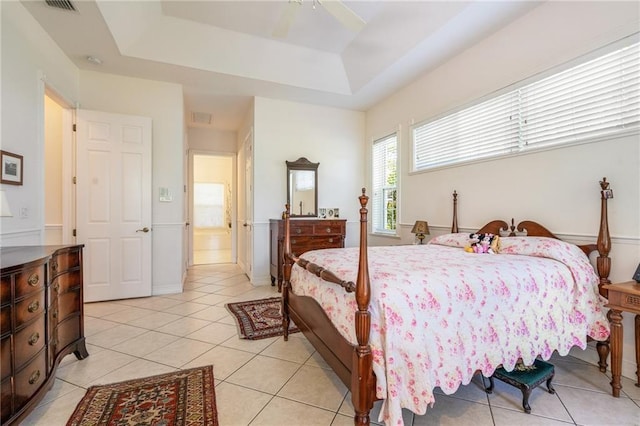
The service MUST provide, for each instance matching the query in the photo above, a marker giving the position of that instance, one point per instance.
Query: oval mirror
(302, 187)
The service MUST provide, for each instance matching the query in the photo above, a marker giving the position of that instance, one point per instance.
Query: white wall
(287, 131)
(28, 58)
(558, 188)
(205, 139)
(163, 103)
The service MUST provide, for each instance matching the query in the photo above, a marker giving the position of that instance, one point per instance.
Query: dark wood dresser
(41, 321)
(306, 234)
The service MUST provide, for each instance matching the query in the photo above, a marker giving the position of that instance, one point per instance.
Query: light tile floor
(272, 382)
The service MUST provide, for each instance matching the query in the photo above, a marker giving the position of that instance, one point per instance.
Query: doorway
(212, 209)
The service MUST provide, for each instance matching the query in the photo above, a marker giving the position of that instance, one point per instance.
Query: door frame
(234, 201)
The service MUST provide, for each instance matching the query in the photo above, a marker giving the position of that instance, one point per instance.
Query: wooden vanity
(41, 321)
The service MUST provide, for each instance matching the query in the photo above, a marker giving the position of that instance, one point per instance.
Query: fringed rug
(259, 319)
(180, 398)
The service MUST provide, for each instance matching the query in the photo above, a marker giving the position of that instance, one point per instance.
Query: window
(385, 185)
(598, 98)
(209, 205)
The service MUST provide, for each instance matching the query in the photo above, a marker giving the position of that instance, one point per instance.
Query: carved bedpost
(603, 264)
(454, 225)
(361, 371)
(286, 272)
(604, 240)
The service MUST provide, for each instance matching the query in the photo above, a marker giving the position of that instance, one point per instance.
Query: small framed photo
(607, 194)
(322, 213)
(11, 168)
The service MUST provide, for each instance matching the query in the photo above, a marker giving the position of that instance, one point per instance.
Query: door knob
(145, 229)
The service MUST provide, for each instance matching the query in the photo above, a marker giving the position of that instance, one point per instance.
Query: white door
(248, 207)
(114, 204)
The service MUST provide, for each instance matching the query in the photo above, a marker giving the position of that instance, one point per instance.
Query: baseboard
(166, 289)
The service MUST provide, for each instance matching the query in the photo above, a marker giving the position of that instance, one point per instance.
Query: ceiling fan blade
(344, 14)
(286, 19)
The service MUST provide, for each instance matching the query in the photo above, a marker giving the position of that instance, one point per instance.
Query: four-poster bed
(348, 348)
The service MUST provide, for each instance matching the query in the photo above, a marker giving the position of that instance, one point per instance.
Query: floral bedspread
(440, 314)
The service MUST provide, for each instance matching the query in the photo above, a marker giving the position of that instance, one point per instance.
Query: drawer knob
(293, 241)
(33, 306)
(33, 280)
(298, 231)
(54, 314)
(34, 338)
(330, 240)
(328, 230)
(56, 287)
(34, 377)
(54, 266)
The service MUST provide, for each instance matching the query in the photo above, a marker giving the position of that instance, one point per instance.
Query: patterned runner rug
(181, 398)
(259, 319)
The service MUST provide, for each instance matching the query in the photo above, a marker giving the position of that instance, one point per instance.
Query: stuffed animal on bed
(483, 243)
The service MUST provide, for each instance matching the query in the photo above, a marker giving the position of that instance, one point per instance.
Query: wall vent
(61, 4)
(201, 117)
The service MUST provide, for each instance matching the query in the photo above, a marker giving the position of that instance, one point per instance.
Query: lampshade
(421, 227)
(5, 211)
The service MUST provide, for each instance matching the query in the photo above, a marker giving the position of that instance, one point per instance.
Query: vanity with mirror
(302, 187)
(308, 232)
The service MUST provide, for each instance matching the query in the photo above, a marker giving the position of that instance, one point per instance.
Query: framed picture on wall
(11, 168)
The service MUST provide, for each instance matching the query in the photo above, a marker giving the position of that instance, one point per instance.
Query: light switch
(165, 195)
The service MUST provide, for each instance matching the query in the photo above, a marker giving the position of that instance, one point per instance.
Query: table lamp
(420, 228)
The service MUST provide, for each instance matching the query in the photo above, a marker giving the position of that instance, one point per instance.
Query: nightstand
(622, 297)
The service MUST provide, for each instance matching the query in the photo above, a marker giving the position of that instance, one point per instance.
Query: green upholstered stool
(525, 378)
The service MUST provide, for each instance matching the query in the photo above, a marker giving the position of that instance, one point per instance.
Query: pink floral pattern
(440, 314)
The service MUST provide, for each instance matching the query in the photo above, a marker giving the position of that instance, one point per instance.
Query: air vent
(201, 117)
(61, 4)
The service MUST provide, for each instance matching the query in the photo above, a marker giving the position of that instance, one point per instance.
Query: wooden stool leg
(526, 392)
(490, 388)
(549, 386)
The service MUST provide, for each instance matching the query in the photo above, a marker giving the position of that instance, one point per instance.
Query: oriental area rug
(181, 398)
(259, 319)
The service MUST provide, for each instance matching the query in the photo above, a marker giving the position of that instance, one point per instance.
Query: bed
(415, 324)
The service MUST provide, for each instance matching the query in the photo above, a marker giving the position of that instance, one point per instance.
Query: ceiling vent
(61, 4)
(201, 117)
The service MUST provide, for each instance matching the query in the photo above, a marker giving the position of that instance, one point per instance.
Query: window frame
(382, 210)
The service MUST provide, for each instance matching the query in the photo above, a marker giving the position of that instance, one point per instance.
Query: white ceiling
(224, 52)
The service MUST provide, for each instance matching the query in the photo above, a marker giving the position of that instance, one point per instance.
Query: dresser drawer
(5, 289)
(5, 320)
(68, 331)
(328, 229)
(300, 229)
(7, 403)
(66, 305)
(29, 280)
(64, 282)
(64, 261)
(29, 308)
(29, 379)
(5, 357)
(305, 244)
(29, 340)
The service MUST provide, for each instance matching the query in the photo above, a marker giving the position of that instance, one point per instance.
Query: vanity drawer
(29, 308)
(64, 261)
(6, 398)
(67, 304)
(30, 378)
(64, 282)
(67, 332)
(305, 244)
(29, 340)
(300, 229)
(329, 228)
(5, 289)
(29, 280)
(5, 357)
(5, 319)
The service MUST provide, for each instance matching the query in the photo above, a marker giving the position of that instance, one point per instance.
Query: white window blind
(385, 191)
(596, 99)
